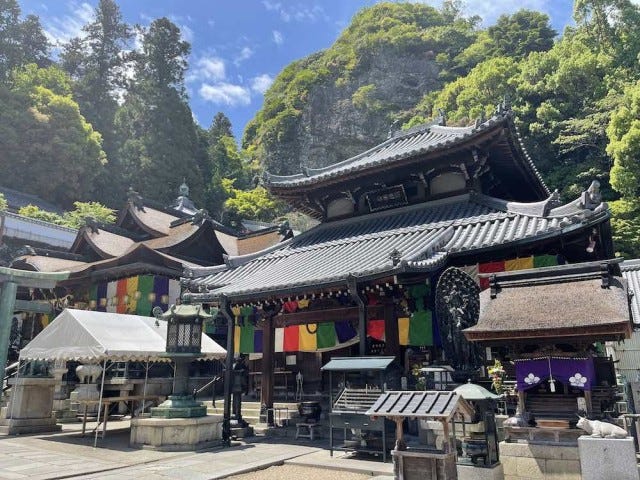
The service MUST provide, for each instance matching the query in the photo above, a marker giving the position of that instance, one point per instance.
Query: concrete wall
(523, 461)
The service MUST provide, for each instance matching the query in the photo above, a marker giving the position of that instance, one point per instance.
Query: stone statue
(599, 429)
(239, 385)
(88, 373)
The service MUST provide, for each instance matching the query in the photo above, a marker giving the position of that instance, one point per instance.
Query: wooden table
(105, 407)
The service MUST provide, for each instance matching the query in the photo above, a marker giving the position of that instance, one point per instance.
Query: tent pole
(104, 374)
(144, 389)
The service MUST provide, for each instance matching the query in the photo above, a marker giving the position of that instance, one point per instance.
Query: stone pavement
(69, 455)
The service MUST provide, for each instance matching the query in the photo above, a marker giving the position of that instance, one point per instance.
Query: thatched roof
(553, 306)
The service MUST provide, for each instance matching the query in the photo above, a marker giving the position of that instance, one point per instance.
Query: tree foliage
(21, 41)
(3, 203)
(46, 142)
(97, 62)
(75, 218)
(160, 143)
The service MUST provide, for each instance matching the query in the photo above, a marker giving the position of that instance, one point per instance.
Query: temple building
(393, 219)
(134, 265)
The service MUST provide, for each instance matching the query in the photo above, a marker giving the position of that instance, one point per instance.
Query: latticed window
(184, 337)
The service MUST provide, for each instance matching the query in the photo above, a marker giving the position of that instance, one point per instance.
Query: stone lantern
(184, 337)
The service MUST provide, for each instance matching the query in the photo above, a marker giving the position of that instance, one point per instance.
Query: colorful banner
(510, 265)
(313, 337)
(375, 329)
(135, 295)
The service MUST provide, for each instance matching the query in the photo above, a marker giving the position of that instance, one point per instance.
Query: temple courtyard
(70, 455)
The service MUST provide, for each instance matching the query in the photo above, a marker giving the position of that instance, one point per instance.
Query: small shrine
(550, 324)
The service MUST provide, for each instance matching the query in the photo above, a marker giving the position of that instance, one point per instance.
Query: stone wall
(524, 461)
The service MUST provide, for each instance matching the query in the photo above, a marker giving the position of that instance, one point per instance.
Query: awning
(352, 364)
(89, 336)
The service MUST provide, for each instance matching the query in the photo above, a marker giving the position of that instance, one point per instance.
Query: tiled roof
(17, 200)
(418, 141)
(631, 273)
(425, 235)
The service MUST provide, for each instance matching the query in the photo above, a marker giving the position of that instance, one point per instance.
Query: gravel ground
(291, 472)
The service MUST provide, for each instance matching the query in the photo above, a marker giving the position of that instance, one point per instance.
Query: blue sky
(239, 46)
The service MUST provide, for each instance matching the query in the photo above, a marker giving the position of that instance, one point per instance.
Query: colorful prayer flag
(327, 336)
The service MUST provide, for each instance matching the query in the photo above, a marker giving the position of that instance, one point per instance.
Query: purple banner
(577, 373)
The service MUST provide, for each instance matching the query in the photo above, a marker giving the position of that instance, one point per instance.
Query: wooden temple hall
(135, 264)
(370, 279)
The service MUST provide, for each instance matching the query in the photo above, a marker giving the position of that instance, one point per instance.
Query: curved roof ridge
(431, 127)
(238, 260)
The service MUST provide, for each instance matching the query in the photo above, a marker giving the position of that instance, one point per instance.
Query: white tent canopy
(96, 336)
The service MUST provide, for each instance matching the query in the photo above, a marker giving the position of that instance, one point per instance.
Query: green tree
(31, 211)
(46, 143)
(624, 144)
(254, 204)
(77, 217)
(523, 32)
(97, 62)
(3, 203)
(21, 41)
(220, 127)
(160, 143)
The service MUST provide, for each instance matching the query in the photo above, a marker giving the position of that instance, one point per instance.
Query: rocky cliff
(339, 102)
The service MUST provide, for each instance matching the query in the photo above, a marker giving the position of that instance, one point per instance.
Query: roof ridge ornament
(591, 198)
(135, 199)
(442, 118)
(393, 128)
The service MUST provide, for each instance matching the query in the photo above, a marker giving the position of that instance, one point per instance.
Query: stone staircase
(285, 411)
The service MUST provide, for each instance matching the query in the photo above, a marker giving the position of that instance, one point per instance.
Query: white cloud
(278, 39)
(60, 29)
(187, 33)
(225, 94)
(299, 13)
(261, 83)
(207, 68)
(244, 54)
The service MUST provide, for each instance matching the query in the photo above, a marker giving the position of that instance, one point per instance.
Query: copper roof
(152, 221)
(42, 263)
(425, 235)
(106, 244)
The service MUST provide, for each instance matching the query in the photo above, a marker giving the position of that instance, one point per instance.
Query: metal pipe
(225, 308)
(362, 314)
(144, 388)
(104, 374)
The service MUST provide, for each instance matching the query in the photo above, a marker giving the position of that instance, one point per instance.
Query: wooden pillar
(268, 352)
(521, 401)
(225, 308)
(588, 400)
(362, 314)
(392, 338)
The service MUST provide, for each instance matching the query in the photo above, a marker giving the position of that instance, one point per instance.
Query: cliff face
(339, 102)
(341, 121)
